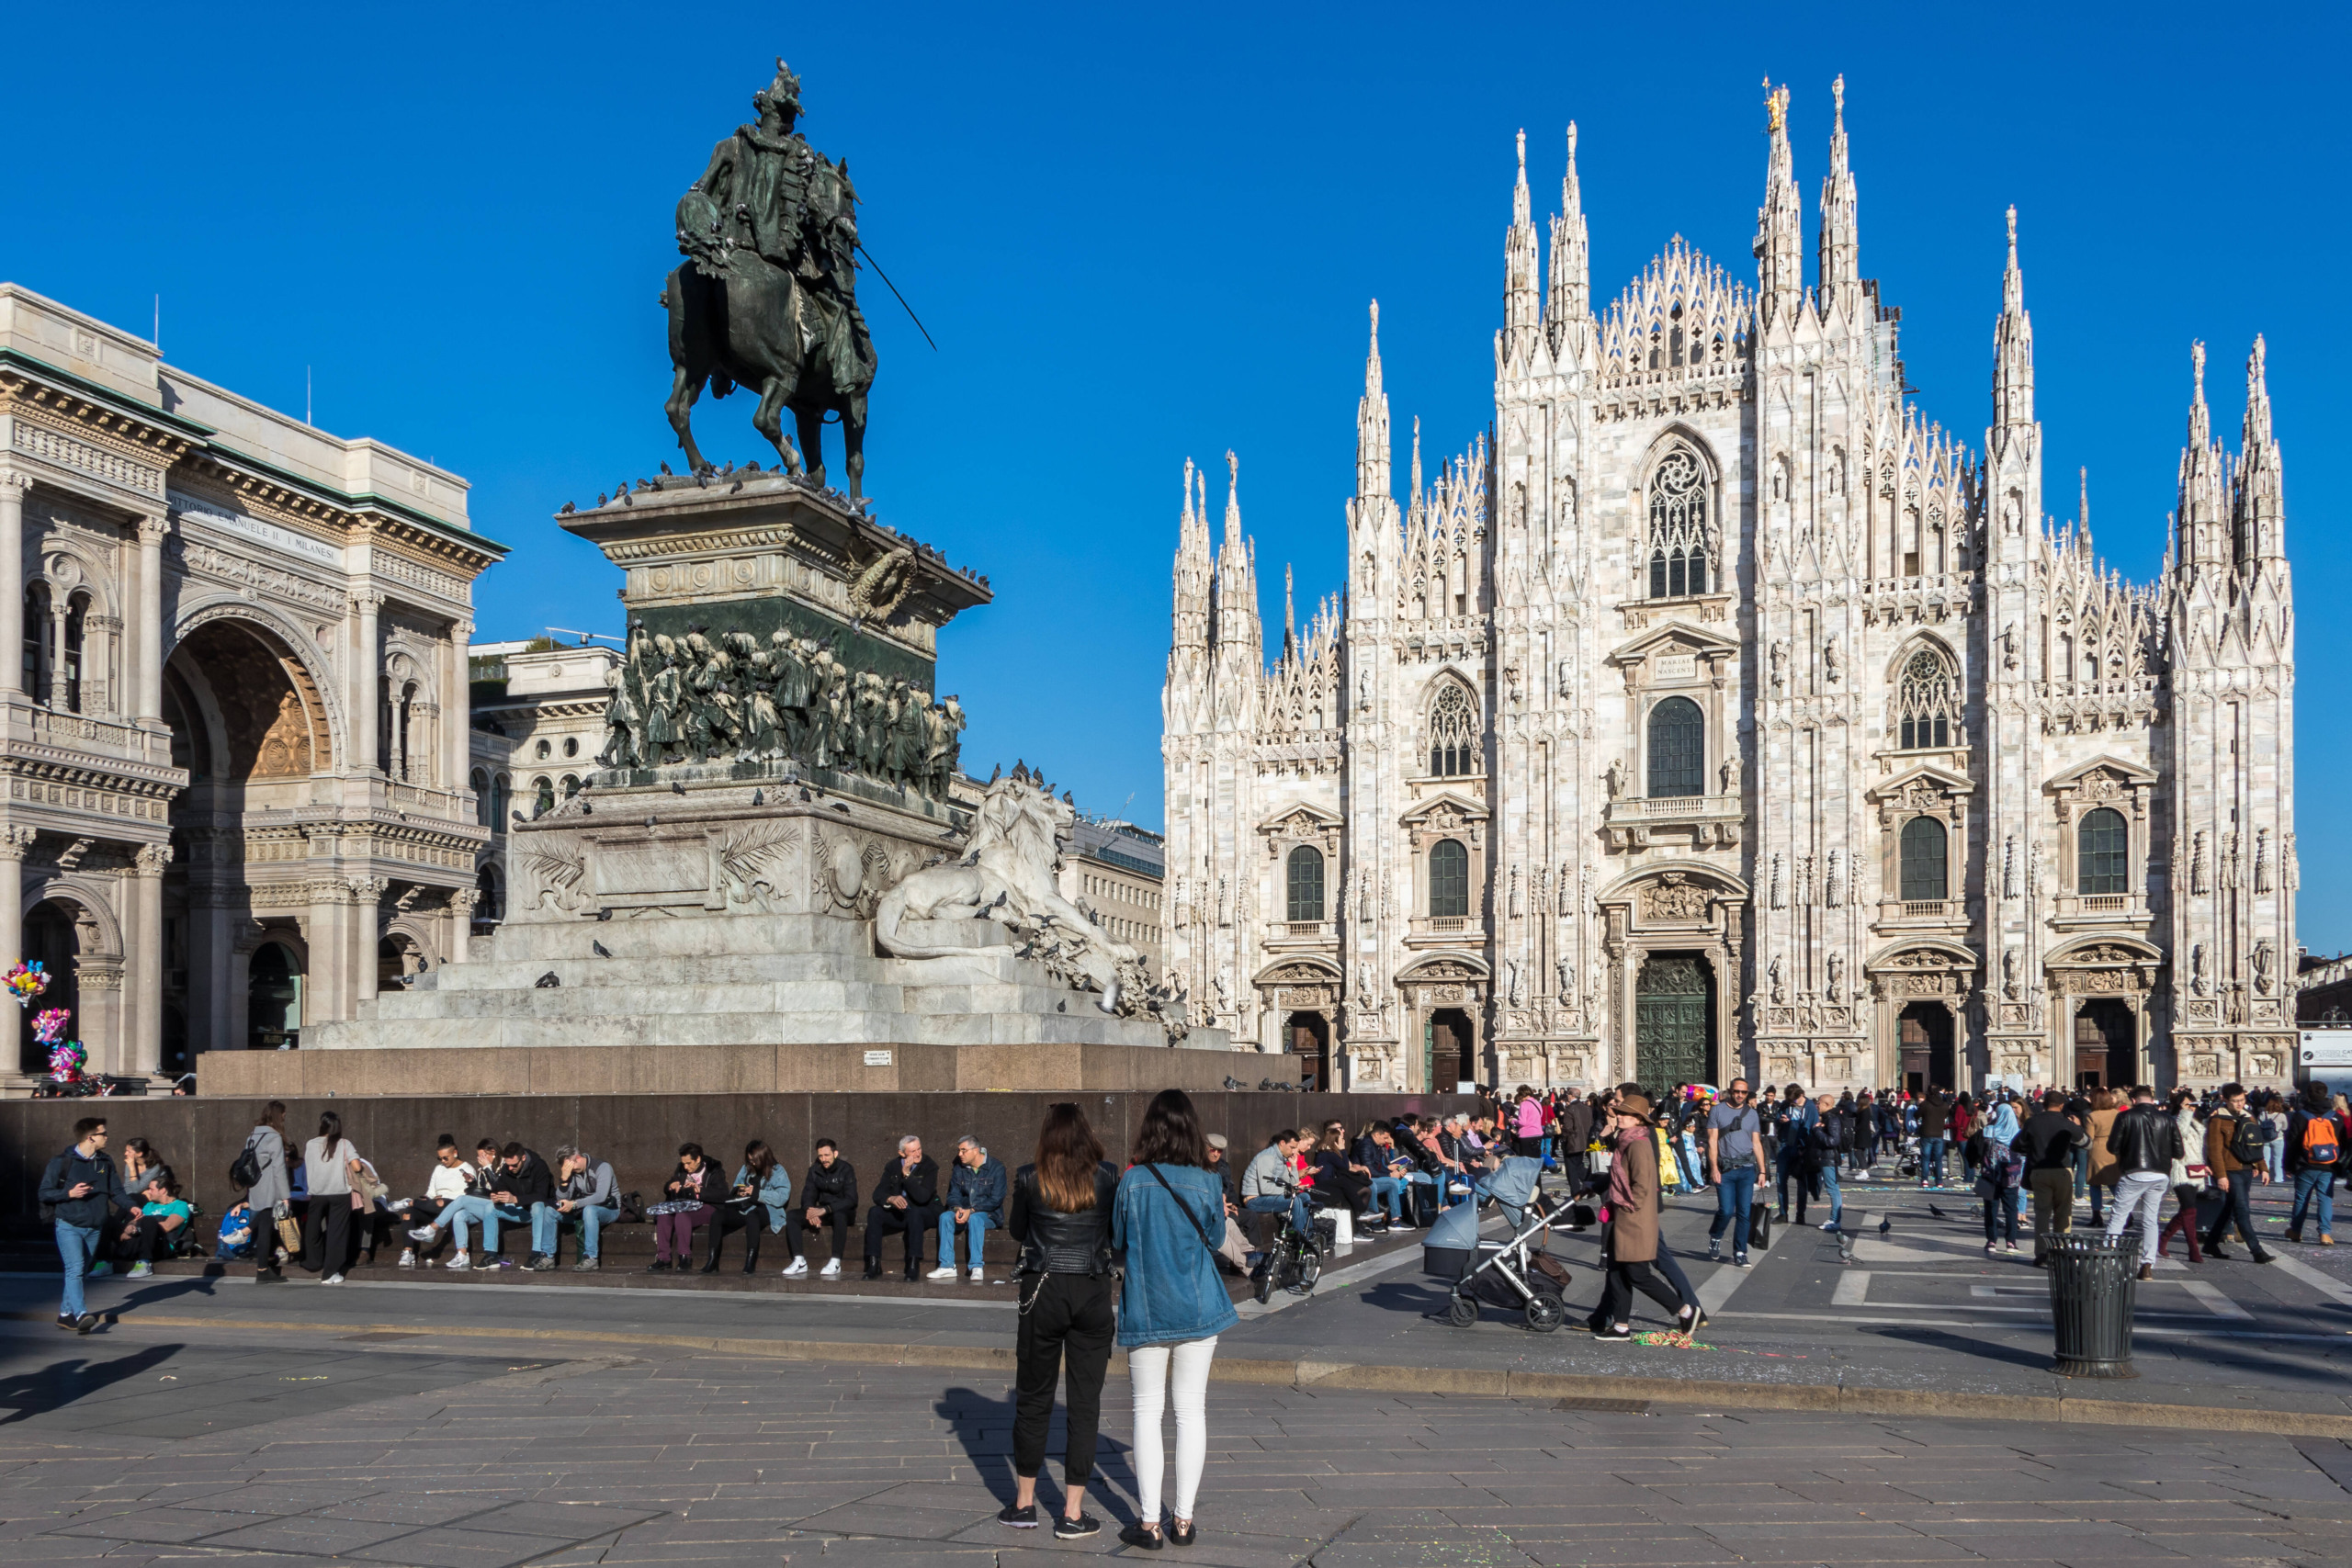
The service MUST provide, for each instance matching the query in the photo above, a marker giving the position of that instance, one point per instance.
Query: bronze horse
(736, 319)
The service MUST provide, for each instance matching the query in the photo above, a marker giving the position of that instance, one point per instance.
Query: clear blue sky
(1143, 236)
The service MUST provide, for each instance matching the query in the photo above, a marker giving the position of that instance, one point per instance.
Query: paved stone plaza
(418, 1424)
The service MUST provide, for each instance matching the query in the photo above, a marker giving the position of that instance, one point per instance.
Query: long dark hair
(1171, 1134)
(760, 1158)
(330, 1129)
(1068, 1153)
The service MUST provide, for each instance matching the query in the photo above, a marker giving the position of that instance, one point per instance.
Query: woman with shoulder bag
(1173, 1307)
(1060, 1215)
(329, 1162)
(270, 1195)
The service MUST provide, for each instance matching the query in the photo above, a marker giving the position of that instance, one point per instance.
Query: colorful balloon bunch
(67, 1060)
(25, 982)
(48, 1026)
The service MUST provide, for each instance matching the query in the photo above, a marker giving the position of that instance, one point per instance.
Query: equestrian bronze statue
(767, 296)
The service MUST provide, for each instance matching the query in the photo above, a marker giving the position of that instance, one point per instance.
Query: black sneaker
(1019, 1517)
(1142, 1537)
(1077, 1528)
(66, 1321)
(1739, 1260)
(1714, 1252)
(89, 1320)
(1614, 1333)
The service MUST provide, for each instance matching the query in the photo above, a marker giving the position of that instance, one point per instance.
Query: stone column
(364, 662)
(456, 712)
(13, 842)
(323, 986)
(57, 605)
(147, 679)
(143, 963)
(461, 923)
(13, 486)
(367, 899)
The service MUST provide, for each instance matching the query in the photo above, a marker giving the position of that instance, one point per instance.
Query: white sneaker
(831, 1271)
(407, 1257)
(979, 1277)
(796, 1270)
(946, 1271)
(332, 1280)
(424, 1232)
(463, 1262)
(140, 1271)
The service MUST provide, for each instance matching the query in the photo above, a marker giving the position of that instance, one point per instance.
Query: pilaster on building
(1719, 712)
(237, 738)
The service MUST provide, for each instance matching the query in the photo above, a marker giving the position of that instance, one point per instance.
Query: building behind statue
(1719, 714)
(236, 740)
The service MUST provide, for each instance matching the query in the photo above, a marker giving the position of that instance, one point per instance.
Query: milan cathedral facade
(1716, 714)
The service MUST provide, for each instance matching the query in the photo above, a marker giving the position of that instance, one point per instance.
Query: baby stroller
(1507, 1274)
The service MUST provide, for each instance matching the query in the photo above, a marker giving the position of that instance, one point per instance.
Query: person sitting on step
(756, 1202)
(976, 1191)
(906, 1199)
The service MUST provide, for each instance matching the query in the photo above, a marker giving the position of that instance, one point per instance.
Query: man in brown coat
(2221, 1136)
(1633, 1220)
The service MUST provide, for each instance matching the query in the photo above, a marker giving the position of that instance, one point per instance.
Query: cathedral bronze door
(1674, 1016)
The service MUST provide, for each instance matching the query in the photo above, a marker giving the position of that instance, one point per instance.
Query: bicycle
(1294, 1262)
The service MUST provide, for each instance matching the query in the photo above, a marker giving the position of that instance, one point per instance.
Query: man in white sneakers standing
(2145, 1142)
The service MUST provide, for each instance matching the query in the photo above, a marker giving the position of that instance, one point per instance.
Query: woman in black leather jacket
(1060, 1215)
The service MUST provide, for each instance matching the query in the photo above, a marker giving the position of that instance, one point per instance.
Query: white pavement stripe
(2334, 1290)
(1354, 1274)
(1818, 1320)
(1853, 1289)
(2215, 1302)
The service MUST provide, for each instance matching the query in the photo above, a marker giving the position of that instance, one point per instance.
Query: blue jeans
(591, 1222)
(470, 1207)
(543, 1227)
(1297, 1204)
(1734, 1197)
(1829, 1190)
(976, 1227)
(76, 1244)
(2322, 1184)
(1931, 1162)
(1389, 1192)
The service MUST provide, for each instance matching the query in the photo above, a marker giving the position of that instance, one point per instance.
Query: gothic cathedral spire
(2012, 351)
(1523, 299)
(1371, 421)
(1570, 306)
(2261, 502)
(1780, 227)
(2203, 483)
(1840, 240)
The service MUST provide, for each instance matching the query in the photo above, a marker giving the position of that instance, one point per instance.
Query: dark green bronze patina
(767, 298)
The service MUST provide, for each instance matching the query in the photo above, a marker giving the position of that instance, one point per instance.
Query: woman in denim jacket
(1175, 1303)
(756, 1203)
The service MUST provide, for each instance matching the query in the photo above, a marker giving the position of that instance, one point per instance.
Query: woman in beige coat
(1633, 1220)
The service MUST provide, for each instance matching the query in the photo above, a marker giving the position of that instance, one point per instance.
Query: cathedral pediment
(1444, 811)
(1300, 821)
(1924, 785)
(2112, 771)
(1671, 639)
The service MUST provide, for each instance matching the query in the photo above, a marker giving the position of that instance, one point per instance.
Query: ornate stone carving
(1674, 898)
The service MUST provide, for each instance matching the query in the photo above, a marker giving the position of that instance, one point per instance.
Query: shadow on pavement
(1981, 1349)
(60, 1383)
(984, 1425)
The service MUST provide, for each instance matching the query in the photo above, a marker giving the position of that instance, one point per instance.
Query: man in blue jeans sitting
(83, 1191)
(1271, 1184)
(976, 1191)
(1731, 1128)
(584, 1197)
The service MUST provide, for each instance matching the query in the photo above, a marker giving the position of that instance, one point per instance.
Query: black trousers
(1071, 1313)
(1624, 1279)
(729, 1220)
(146, 1244)
(915, 1219)
(326, 1232)
(2238, 1187)
(796, 1228)
(1346, 1189)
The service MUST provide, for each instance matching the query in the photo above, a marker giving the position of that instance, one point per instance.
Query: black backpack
(245, 1171)
(2246, 1138)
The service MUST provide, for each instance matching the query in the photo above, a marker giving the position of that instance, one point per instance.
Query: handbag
(289, 1235)
(1760, 1227)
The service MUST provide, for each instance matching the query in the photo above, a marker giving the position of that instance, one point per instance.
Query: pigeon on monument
(676, 787)
(599, 949)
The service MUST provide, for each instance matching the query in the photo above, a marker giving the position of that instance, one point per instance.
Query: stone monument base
(728, 910)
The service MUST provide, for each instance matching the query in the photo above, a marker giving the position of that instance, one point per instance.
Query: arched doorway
(396, 959)
(1310, 1041)
(274, 1000)
(1924, 1037)
(50, 941)
(2104, 1044)
(1674, 1020)
(1449, 1051)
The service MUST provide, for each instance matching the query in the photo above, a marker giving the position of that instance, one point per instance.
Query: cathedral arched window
(1677, 526)
(2102, 847)
(1453, 732)
(1926, 700)
(1305, 877)
(1448, 880)
(1678, 749)
(1924, 878)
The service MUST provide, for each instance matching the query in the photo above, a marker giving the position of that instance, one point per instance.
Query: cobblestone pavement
(144, 1447)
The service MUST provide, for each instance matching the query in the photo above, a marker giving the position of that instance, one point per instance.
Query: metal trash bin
(2093, 1285)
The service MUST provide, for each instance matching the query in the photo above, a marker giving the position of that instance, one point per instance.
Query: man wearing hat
(1235, 1247)
(1633, 1238)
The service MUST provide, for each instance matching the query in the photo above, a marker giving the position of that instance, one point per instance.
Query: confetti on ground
(318, 1378)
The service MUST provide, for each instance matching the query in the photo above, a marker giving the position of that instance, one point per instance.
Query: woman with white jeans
(1172, 1307)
